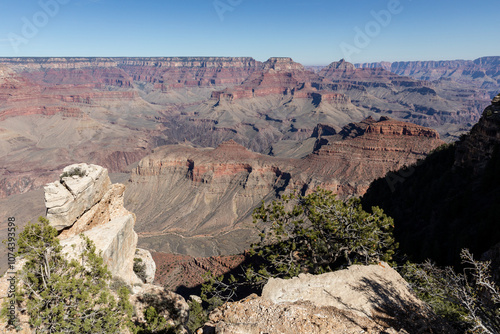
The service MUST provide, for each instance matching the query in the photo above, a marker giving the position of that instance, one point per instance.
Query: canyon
(114, 111)
(199, 142)
(198, 202)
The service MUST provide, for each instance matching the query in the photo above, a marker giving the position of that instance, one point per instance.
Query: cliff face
(176, 72)
(199, 201)
(278, 76)
(201, 191)
(483, 73)
(348, 166)
(87, 203)
(402, 97)
(477, 149)
(48, 120)
(447, 202)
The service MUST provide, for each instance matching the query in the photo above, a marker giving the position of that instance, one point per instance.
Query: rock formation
(84, 201)
(481, 73)
(199, 201)
(79, 189)
(366, 299)
(145, 259)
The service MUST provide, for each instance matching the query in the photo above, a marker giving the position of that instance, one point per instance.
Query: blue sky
(311, 32)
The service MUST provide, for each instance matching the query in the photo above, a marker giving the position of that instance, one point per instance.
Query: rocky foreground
(84, 201)
(361, 299)
(370, 299)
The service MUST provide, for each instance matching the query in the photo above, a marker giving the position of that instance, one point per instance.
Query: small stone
(195, 298)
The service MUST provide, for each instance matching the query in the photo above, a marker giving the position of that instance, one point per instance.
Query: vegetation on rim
(315, 233)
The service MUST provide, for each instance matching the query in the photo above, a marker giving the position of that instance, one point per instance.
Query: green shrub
(73, 171)
(140, 269)
(316, 233)
(61, 295)
(197, 316)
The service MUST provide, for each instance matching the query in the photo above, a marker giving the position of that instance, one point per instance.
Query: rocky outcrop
(81, 186)
(85, 201)
(368, 299)
(341, 65)
(387, 126)
(278, 77)
(117, 241)
(477, 149)
(145, 259)
(282, 64)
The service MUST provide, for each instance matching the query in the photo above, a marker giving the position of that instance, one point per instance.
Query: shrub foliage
(67, 296)
(314, 233)
(470, 299)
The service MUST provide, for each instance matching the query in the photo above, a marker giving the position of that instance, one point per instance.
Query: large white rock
(117, 240)
(68, 199)
(359, 289)
(148, 262)
(360, 299)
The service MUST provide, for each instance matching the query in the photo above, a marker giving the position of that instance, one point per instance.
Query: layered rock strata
(482, 73)
(199, 201)
(115, 110)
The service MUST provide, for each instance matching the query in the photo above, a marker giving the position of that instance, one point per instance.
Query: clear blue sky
(311, 32)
